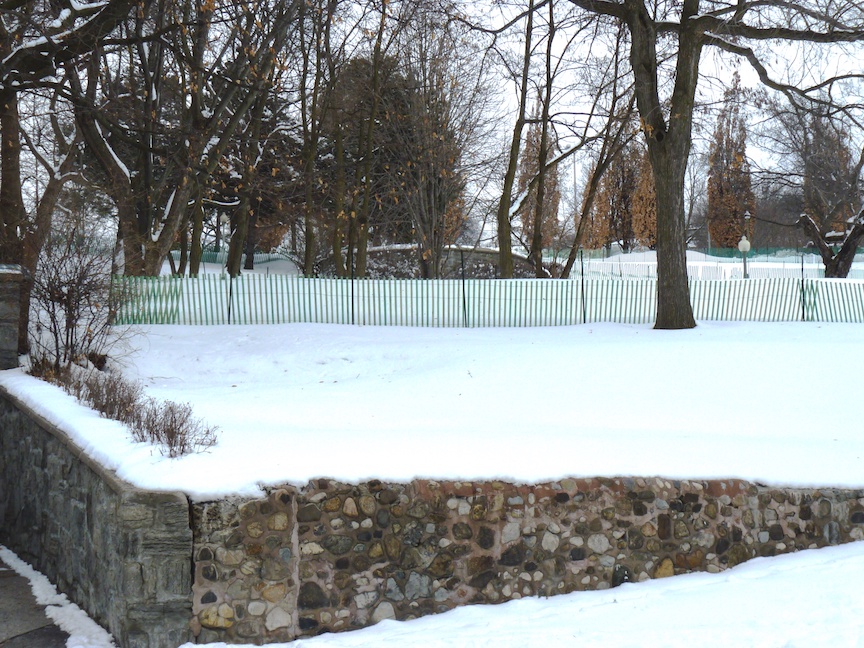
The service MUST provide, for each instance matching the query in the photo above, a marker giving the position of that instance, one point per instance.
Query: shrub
(72, 301)
(167, 424)
(172, 426)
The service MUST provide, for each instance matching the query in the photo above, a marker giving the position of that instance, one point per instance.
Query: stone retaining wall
(332, 556)
(122, 554)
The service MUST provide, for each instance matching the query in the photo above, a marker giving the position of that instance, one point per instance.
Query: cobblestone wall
(10, 295)
(333, 556)
(121, 554)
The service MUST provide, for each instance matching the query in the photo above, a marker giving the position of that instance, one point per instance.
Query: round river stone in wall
(383, 611)
(598, 543)
(312, 597)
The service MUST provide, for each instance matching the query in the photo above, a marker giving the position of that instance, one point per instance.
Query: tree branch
(32, 62)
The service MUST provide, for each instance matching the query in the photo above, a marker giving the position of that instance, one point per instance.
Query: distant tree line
(324, 128)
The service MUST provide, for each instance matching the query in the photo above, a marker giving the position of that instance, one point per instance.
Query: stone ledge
(121, 553)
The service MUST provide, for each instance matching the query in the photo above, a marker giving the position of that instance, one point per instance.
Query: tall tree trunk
(362, 258)
(251, 238)
(14, 237)
(242, 215)
(129, 211)
(338, 240)
(505, 230)
(196, 252)
(668, 149)
(239, 232)
(11, 201)
(537, 234)
(674, 310)
(361, 220)
(184, 251)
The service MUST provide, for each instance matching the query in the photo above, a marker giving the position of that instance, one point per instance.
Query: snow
(83, 632)
(82, 7)
(726, 400)
(57, 23)
(810, 598)
(165, 212)
(120, 164)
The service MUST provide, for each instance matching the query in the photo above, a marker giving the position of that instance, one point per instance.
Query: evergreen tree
(729, 190)
(529, 167)
(613, 216)
(645, 205)
(625, 210)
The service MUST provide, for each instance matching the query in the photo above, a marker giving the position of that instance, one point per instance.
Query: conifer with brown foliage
(729, 191)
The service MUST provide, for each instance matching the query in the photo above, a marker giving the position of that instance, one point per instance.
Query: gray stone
(278, 618)
(383, 611)
(598, 543)
(441, 566)
(274, 570)
(418, 586)
(486, 538)
(550, 542)
(832, 533)
(419, 510)
(337, 545)
(510, 532)
(462, 531)
(393, 592)
(365, 600)
(257, 608)
(122, 554)
(309, 513)
(513, 556)
(312, 597)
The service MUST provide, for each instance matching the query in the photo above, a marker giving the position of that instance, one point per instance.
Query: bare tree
(36, 39)
(818, 174)
(442, 130)
(158, 113)
(505, 212)
(667, 40)
(72, 298)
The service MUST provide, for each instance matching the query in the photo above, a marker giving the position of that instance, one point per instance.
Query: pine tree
(729, 192)
(529, 167)
(645, 205)
(625, 210)
(613, 214)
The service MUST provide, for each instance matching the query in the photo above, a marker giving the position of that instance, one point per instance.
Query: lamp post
(744, 244)
(220, 224)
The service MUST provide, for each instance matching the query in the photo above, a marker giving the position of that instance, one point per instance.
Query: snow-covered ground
(774, 403)
(83, 631)
(299, 401)
(804, 600)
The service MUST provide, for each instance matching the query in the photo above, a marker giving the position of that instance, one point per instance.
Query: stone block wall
(333, 556)
(122, 554)
(10, 297)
